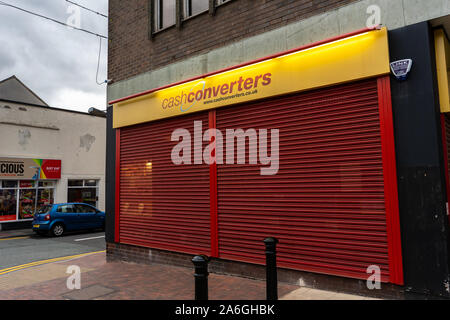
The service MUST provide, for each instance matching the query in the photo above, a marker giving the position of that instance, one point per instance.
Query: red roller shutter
(162, 205)
(445, 127)
(326, 205)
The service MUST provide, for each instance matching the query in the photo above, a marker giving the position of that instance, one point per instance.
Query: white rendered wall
(79, 140)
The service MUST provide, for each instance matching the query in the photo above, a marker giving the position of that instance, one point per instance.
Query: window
(85, 209)
(66, 209)
(8, 204)
(194, 7)
(90, 183)
(75, 183)
(18, 198)
(164, 13)
(9, 184)
(45, 209)
(83, 191)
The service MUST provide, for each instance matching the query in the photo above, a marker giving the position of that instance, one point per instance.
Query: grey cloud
(49, 57)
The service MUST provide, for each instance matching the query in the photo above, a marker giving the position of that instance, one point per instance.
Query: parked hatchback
(55, 219)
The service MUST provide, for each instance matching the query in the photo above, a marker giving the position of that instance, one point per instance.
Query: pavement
(15, 233)
(102, 280)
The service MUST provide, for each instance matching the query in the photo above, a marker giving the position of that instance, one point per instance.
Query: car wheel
(57, 230)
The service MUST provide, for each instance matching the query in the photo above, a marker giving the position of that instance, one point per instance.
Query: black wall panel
(421, 184)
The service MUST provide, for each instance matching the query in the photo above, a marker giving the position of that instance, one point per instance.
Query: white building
(67, 147)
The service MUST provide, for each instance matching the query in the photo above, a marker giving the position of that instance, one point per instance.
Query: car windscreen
(44, 209)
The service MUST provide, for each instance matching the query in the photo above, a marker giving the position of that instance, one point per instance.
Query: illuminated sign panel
(442, 47)
(362, 56)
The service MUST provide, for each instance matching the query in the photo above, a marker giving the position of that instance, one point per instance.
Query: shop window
(90, 183)
(164, 14)
(46, 184)
(27, 184)
(18, 198)
(9, 184)
(26, 203)
(83, 191)
(45, 197)
(8, 204)
(194, 7)
(75, 183)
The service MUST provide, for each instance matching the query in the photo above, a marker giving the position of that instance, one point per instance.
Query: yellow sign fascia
(442, 49)
(358, 57)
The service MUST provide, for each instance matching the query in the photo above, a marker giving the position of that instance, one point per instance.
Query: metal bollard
(271, 269)
(201, 277)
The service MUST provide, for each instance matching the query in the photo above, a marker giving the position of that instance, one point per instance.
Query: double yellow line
(16, 238)
(38, 263)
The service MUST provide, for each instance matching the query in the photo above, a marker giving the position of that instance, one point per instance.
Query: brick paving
(127, 281)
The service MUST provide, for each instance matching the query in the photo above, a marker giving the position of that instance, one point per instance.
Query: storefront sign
(27, 169)
(357, 57)
(442, 49)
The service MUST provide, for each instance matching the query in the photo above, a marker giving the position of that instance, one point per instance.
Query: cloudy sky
(59, 64)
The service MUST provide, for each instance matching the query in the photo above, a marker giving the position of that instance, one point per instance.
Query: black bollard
(271, 268)
(201, 277)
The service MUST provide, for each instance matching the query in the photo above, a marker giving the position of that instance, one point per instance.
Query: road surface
(25, 247)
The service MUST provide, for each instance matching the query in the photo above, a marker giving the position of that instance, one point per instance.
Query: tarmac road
(23, 246)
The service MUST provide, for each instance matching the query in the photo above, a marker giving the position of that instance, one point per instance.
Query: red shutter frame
(390, 181)
(445, 150)
(117, 189)
(148, 213)
(213, 195)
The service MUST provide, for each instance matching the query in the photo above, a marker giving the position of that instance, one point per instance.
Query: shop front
(25, 186)
(298, 146)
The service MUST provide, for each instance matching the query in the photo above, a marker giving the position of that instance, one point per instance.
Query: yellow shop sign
(357, 57)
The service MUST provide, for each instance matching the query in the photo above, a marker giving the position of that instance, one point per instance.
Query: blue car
(55, 219)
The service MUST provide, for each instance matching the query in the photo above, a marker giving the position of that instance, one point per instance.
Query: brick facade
(132, 51)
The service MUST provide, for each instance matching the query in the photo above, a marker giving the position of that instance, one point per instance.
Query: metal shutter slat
(164, 206)
(326, 205)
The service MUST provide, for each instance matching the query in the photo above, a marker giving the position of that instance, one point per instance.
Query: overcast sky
(59, 64)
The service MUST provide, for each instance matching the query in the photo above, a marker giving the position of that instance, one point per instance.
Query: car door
(68, 214)
(88, 216)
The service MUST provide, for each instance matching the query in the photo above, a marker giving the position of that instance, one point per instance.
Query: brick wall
(131, 52)
(128, 253)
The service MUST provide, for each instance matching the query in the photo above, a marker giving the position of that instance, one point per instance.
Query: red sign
(51, 169)
(26, 184)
